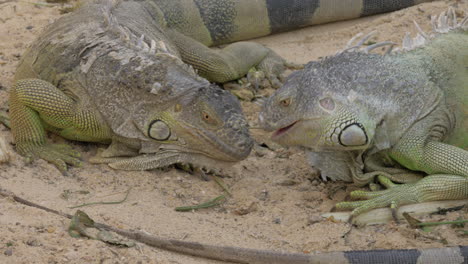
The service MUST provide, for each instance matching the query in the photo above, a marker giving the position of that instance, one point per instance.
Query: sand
(276, 198)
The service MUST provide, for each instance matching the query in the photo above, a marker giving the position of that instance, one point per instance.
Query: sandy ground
(277, 198)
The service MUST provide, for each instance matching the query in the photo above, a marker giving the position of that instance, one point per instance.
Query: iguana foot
(270, 71)
(58, 154)
(393, 196)
(430, 188)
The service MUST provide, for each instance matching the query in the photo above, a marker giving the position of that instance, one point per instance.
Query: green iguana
(116, 72)
(401, 117)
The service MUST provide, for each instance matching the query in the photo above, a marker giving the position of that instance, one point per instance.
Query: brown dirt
(277, 197)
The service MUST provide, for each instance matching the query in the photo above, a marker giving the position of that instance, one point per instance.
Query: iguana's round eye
(327, 103)
(285, 102)
(158, 130)
(208, 118)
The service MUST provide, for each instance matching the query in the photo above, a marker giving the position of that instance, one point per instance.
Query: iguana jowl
(112, 72)
(398, 117)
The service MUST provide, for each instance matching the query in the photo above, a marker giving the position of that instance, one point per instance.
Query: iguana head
(205, 128)
(318, 108)
(177, 116)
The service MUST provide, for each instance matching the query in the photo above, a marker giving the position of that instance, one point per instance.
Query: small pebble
(263, 196)
(315, 183)
(244, 94)
(33, 243)
(29, 27)
(287, 182)
(314, 219)
(312, 196)
(8, 252)
(260, 151)
(246, 208)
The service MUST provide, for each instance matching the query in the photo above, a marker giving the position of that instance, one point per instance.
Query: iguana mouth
(278, 133)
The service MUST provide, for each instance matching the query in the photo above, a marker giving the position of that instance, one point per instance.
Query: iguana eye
(158, 130)
(208, 119)
(285, 102)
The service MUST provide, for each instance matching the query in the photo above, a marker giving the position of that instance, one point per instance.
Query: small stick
(222, 184)
(213, 202)
(442, 223)
(93, 203)
(39, 4)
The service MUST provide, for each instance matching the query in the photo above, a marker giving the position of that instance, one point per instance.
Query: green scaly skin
(397, 117)
(114, 72)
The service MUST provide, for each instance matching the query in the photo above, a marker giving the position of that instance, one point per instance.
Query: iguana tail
(214, 22)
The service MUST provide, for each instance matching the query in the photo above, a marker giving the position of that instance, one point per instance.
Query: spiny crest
(181, 83)
(142, 42)
(360, 45)
(443, 23)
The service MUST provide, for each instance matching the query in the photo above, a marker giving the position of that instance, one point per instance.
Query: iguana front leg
(36, 105)
(448, 179)
(232, 62)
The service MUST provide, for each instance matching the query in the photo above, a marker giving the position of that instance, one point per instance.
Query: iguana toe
(64, 148)
(272, 69)
(4, 119)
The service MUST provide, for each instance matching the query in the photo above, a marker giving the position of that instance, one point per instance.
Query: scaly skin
(396, 116)
(112, 72)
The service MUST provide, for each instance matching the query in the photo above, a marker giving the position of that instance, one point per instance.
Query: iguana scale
(116, 72)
